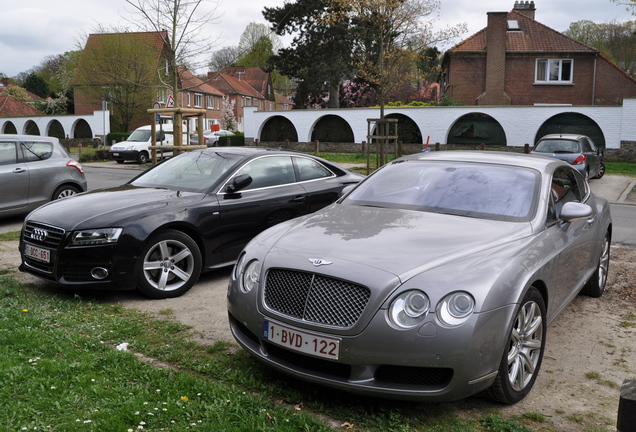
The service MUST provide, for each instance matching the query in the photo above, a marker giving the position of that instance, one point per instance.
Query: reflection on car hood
(109, 207)
(400, 242)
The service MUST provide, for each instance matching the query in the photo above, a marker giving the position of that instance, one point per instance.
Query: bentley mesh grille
(315, 298)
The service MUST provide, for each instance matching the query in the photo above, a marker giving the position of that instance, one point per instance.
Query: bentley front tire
(523, 354)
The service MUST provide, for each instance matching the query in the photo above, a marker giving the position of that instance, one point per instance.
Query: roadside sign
(170, 102)
(156, 105)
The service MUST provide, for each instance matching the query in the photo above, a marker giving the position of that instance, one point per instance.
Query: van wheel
(142, 157)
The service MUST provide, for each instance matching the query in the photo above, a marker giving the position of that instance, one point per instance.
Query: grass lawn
(61, 371)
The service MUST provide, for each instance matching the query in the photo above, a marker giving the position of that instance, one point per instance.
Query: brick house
(260, 80)
(239, 91)
(197, 93)
(116, 63)
(516, 60)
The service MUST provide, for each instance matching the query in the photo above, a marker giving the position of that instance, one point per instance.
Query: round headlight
(455, 309)
(250, 275)
(238, 267)
(409, 309)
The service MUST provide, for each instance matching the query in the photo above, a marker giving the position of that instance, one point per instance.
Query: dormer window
(554, 71)
(513, 25)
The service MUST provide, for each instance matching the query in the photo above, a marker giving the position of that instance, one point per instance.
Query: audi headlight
(96, 236)
(409, 309)
(249, 276)
(455, 309)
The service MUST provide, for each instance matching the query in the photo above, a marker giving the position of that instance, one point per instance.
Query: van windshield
(139, 135)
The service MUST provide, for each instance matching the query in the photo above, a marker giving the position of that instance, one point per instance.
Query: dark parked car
(35, 170)
(433, 279)
(192, 213)
(577, 150)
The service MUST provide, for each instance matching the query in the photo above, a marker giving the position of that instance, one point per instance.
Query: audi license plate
(37, 253)
(301, 341)
(115, 154)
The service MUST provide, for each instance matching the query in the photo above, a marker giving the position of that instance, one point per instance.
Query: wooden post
(436, 146)
(317, 146)
(627, 407)
(153, 141)
(526, 148)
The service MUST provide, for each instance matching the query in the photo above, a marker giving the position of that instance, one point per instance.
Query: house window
(189, 95)
(198, 100)
(248, 101)
(554, 71)
(210, 100)
(162, 94)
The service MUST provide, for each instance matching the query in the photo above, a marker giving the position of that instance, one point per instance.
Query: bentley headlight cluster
(455, 309)
(248, 274)
(409, 309)
(96, 236)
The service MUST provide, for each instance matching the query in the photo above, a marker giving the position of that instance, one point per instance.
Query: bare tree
(389, 35)
(181, 23)
(223, 58)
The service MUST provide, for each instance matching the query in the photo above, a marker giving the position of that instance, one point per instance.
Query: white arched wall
(98, 122)
(520, 123)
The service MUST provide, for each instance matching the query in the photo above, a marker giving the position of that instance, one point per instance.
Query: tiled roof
(230, 85)
(255, 76)
(532, 36)
(190, 82)
(282, 99)
(12, 107)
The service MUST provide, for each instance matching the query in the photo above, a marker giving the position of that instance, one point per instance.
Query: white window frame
(550, 71)
(198, 100)
(189, 96)
(210, 102)
(162, 95)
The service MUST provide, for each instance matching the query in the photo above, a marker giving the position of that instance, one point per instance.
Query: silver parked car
(211, 139)
(577, 150)
(35, 170)
(433, 279)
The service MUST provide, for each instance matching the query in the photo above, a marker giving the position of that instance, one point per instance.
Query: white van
(135, 148)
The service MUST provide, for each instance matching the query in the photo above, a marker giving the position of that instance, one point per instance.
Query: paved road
(624, 217)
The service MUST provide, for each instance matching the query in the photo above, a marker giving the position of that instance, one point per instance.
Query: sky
(32, 30)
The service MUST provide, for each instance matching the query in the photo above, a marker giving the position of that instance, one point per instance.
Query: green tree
(319, 56)
(389, 35)
(17, 92)
(616, 40)
(119, 68)
(36, 85)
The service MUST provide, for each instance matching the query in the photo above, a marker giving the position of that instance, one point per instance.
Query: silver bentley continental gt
(434, 279)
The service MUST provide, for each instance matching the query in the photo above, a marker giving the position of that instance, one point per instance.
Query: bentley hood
(400, 242)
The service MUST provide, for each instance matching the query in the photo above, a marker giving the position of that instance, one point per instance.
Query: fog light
(99, 273)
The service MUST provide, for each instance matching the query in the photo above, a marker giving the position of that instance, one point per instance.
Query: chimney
(527, 8)
(496, 35)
